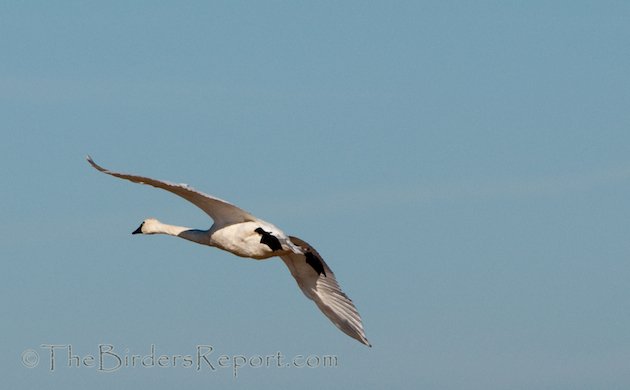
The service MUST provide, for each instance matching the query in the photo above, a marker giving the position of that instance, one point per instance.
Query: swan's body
(239, 232)
(240, 239)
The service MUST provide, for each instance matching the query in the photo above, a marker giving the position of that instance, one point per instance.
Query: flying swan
(239, 232)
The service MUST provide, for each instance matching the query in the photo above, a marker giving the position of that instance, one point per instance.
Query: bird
(242, 234)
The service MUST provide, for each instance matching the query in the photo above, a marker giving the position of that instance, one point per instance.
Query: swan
(239, 232)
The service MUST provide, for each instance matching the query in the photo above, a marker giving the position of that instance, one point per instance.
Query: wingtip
(94, 164)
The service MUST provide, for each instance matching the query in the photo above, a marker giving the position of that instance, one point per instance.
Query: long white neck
(195, 235)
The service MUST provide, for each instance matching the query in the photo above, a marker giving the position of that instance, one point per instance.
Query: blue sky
(463, 167)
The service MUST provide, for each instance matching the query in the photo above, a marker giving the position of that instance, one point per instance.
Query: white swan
(242, 234)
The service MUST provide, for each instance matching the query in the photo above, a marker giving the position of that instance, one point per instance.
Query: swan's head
(148, 226)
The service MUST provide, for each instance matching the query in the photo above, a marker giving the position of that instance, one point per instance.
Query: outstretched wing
(222, 212)
(318, 283)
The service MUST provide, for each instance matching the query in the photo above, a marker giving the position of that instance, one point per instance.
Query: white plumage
(239, 232)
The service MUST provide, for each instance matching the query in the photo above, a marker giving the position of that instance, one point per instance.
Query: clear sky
(464, 168)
